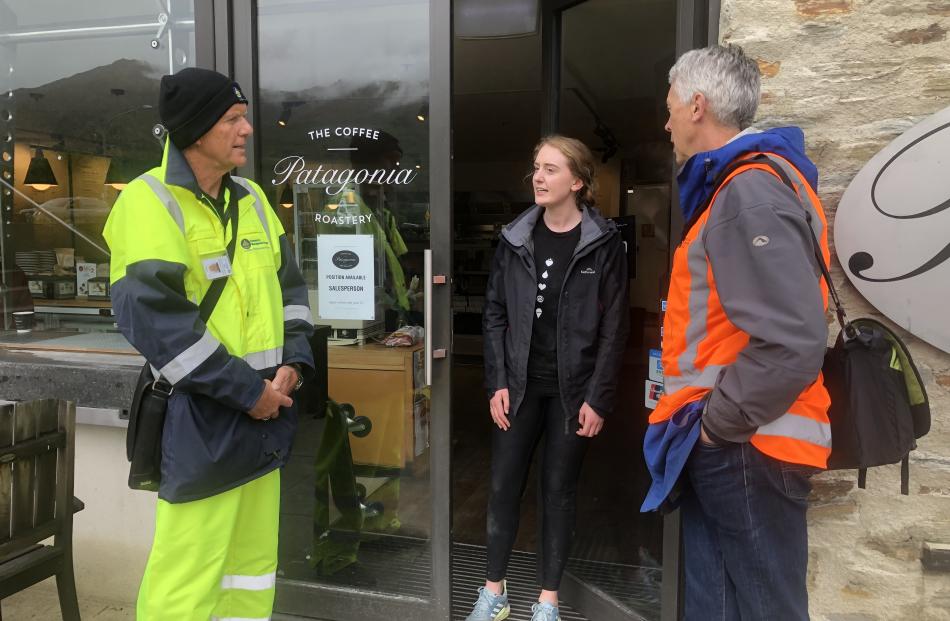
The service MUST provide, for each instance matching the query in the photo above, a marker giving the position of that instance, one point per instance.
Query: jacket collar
(176, 170)
(520, 231)
(698, 174)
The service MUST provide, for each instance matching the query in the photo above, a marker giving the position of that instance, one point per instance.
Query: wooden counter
(381, 383)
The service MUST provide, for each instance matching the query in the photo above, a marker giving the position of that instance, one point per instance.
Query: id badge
(216, 267)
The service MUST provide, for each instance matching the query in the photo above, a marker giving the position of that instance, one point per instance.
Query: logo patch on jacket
(588, 270)
(254, 244)
(760, 240)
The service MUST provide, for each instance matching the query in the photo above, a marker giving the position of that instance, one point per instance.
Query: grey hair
(725, 76)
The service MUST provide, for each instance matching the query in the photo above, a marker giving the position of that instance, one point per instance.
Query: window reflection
(344, 134)
(78, 90)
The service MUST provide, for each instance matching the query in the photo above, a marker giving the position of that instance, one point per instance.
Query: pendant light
(115, 176)
(39, 175)
(287, 197)
(286, 109)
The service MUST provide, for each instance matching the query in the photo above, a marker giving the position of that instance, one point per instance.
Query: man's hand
(704, 437)
(286, 379)
(590, 421)
(499, 408)
(270, 402)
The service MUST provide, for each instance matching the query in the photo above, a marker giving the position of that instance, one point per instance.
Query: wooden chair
(37, 449)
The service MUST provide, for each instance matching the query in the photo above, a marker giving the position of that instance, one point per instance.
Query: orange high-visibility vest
(699, 340)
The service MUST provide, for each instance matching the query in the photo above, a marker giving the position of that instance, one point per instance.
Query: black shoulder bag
(143, 440)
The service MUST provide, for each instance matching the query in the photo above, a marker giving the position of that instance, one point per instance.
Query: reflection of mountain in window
(87, 97)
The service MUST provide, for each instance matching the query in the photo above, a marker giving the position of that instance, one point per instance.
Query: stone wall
(855, 74)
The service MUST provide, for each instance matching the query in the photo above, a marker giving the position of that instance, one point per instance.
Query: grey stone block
(90, 380)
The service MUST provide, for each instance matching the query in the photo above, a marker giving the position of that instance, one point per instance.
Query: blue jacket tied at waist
(666, 447)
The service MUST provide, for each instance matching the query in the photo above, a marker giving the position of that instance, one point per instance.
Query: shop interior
(77, 114)
(615, 57)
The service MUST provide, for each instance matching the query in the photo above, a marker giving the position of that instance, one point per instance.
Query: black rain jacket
(592, 323)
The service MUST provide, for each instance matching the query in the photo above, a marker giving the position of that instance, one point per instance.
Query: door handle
(427, 314)
(430, 279)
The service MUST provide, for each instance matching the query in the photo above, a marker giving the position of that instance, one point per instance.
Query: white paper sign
(346, 277)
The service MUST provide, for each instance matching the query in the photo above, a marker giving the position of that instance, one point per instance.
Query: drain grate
(403, 566)
(637, 588)
(468, 573)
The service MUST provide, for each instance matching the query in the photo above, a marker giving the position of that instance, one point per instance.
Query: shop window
(343, 130)
(78, 100)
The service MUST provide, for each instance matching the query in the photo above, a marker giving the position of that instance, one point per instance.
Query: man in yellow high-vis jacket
(231, 419)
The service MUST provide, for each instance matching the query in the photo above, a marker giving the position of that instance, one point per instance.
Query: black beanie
(191, 101)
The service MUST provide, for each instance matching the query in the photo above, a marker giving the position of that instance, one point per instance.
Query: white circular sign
(892, 230)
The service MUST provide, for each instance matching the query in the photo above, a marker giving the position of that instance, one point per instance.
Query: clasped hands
(276, 394)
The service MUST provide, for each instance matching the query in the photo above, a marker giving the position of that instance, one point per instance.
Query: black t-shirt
(552, 254)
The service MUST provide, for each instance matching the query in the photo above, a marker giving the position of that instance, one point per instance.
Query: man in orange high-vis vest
(743, 343)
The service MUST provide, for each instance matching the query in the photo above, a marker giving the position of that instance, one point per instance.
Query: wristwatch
(296, 367)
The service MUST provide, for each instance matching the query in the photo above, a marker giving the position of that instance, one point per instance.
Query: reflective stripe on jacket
(745, 317)
(160, 231)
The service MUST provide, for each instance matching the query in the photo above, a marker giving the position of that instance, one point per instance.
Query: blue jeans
(744, 535)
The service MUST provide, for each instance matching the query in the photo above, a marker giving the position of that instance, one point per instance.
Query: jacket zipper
(586, 250)
(523, 253)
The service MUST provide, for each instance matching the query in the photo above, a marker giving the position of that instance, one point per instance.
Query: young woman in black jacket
(555, 327)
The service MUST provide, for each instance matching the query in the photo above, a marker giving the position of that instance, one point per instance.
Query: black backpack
(879, 405)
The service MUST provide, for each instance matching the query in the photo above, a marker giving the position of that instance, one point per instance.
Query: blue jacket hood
(698, 174)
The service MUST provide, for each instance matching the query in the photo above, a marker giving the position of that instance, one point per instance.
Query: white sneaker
(543, 611)
(491, 607)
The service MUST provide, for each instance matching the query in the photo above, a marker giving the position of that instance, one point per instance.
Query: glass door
(352, 149)
(606, 64)
(594, 70)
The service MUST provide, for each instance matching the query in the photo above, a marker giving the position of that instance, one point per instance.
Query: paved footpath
(40, 603)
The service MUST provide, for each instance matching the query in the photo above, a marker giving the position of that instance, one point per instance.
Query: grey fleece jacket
(762, 256)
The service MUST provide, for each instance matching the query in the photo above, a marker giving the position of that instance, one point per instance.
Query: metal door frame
(697, 25)
(226, 40)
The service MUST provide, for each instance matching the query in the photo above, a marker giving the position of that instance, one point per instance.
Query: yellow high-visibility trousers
(214, 558)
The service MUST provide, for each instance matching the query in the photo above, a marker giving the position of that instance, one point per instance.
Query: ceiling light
(115, 176)
(287, 197)
(39, 175)
(286, 110)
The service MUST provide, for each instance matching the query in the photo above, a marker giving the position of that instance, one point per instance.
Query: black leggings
(541, 413)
